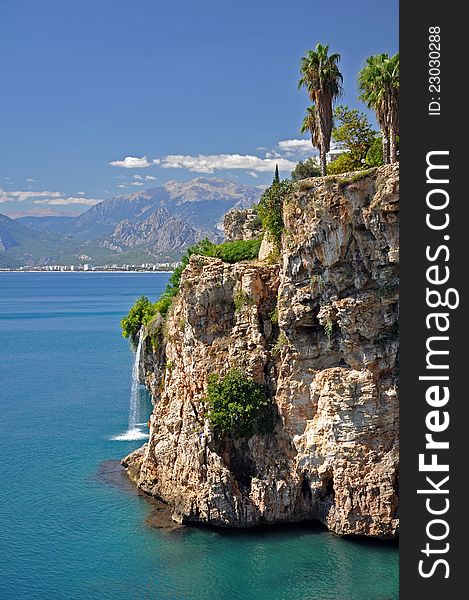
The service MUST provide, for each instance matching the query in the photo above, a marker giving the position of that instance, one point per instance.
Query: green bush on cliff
(374, 156)
(233, 252)
(306, 169)
(140, 312)
(238, 405)
(270, 209)
(241, 299)
(344, 163)
(144, 311)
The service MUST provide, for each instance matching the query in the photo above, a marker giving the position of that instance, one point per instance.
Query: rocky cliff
(242, 224)
(320, 330)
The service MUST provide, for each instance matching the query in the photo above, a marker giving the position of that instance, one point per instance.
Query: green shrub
(271, 209)
(306, 169)
(138, 314)
(230, 252)
(155, 342)
(329, 328)
(356, 177)
(161, 306)
(144, 311)
(281, 342)
(274, 257)
(233, 252)
(374, 156)
(241, 299)
(344, 163)
(273, 315)
(238, 405)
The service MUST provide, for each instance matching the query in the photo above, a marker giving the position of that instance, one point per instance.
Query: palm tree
(311, 124)
(322, 79)
(378, 82)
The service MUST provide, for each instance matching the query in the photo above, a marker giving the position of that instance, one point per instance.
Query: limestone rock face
(242, 224)
(329, 361)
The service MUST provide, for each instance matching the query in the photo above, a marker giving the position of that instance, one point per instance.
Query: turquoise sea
(66, 530)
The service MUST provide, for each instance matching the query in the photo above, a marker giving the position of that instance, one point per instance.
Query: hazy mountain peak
(164, 219)
(5, 219)
(210, 189)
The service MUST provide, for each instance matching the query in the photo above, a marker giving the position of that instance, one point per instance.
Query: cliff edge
(319, 328)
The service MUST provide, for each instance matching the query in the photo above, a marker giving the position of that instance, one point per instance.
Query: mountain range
(154, 225)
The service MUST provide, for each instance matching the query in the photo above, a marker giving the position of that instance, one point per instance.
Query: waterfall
(135, 390)
(134, 432)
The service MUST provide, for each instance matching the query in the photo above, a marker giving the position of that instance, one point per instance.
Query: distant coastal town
(162, 267)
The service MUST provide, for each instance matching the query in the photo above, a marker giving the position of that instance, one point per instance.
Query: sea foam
(130, 435)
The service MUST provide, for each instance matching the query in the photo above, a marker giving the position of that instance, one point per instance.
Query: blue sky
(205, 88)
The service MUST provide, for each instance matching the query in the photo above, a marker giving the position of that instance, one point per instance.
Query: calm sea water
(65, 377)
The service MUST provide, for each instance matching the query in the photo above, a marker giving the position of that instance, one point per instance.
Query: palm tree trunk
(322, 158)
(385, 139)
(392, 146)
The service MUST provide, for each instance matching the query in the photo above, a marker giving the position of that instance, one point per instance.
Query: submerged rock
(320, 330)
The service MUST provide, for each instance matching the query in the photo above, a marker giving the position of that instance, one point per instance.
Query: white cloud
(139, 180)
(24, 196)
(30, 180)
(145, 178)
(285, 155)
(290, 147)
(133, 162)
(209, 163)
(44, 197)
(81, 194)
(68, 201)
(253, 174)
